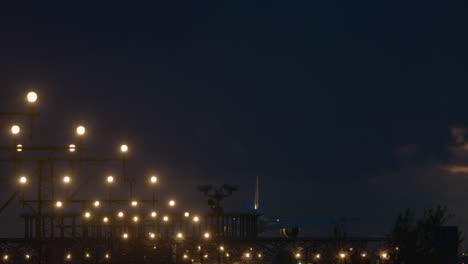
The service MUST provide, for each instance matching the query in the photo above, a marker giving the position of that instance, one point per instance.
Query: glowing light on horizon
(110, 179)
(23, 180)
(15, 129)
(31, 97)
(80, 130)
(123, 148)
(72, 147)
(153, 179)
(66, 179)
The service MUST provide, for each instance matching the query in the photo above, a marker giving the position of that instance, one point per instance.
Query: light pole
(123, 151)
(220, 252)
(23, 180)
(31, 98)
(178, 242)
(15, 131)
(153, 181)
(342, 257)
(384, 256)
(109, 182)
(80, 132)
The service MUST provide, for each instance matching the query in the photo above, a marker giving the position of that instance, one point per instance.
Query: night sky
(342, 108)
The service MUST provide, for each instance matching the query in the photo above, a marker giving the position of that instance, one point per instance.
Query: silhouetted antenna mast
(216, 195)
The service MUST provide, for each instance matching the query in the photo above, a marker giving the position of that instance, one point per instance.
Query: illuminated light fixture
(123, 148)
(247, 255)
(185, 256)
(23, 180)
(27, 256)
(96, 203)
(134, 203)
(166, 218)
(153, 179)
(298, 255)
(342, 255)
(15, 129)
(66, 179)
(87, 214)
(171, 203)
(205, 256)
(68, 256)
(58, 204)
(363, 255)
(105, 219)
(221, 248)
(110, 179)
(72, 147)
(196, 219)
(186, 214)
(135, 219)
(180, 235)
(152, 235)
(227, 255)
(259, 255)
(80, 130)
(87, 255)
(154, 214)
(125, 235)
(384, 255)
(206, 235)
(31, 97)
(6, 257)
(19, 147)
(120, 214)
(107, 256)
(317, 256)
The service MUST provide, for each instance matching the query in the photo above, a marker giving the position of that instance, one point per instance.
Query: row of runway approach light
(59, 204)
(153, 214)
(15, 130)
(248, 255)
(32, 98)
(80, 131)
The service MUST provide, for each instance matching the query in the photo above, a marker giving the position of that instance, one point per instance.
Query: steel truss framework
(63, 234)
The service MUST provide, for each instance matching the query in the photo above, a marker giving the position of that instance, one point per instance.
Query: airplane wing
(277, 224)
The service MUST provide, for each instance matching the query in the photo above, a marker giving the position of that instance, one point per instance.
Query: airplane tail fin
(257, 202)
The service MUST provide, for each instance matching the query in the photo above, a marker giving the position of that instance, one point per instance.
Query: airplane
(291, 227)
(287, 227)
